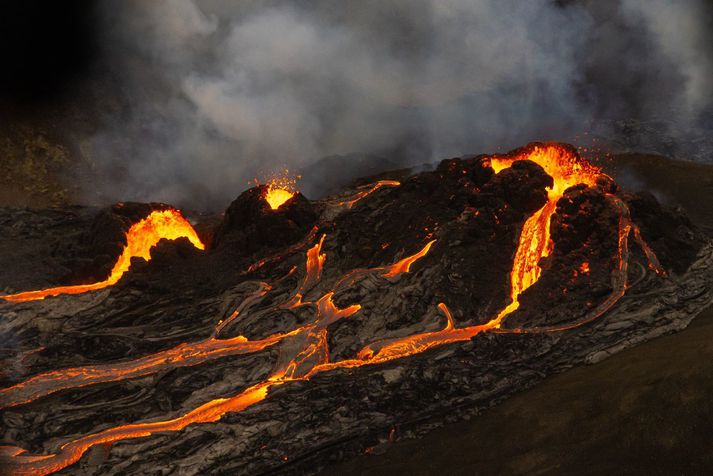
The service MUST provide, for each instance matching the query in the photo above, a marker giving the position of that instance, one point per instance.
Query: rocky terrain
(323, 329)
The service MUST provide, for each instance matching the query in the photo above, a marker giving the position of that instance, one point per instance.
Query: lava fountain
(280, 190)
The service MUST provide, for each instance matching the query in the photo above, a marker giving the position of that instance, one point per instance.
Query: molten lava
(304, 351)
(277, 196)
(351, 201)
(566, 170)
(280, 190)
(141, 237)
(404, 266)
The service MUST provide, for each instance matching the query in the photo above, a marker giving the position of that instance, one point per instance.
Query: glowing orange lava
(304, 351)
(566, 170)
(404, 266)
(349, 203)
(141, 237)
(280, 190)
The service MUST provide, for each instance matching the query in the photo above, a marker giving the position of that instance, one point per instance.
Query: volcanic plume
(309, 325)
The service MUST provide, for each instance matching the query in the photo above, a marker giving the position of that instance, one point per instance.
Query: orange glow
(277, 196)
(364, 193)
(313, 272)
(141, 237)
(559, 162)
(304, 351)
(280, 189)
(404, 266)
(566, 170)
(584, 268)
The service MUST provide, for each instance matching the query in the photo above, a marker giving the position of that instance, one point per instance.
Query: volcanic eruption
(490, 271)
(279, 190)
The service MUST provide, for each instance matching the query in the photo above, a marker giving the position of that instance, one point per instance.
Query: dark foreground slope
(646, 410)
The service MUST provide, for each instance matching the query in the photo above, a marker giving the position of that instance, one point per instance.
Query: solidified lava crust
(318, 328)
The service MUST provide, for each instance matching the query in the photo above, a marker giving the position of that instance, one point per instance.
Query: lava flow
(141, 237)
(304, 351)
(351, 201)
(566, 170)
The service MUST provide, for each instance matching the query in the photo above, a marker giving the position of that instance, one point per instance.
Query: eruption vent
(566, 170)
(280, 189)
(141, 237)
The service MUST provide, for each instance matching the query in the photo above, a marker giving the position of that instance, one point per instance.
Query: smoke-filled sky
(212, 93)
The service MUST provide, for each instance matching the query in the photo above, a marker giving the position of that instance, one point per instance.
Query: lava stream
(566, 170)
(183, 355)
(359, 195)
(141, 237)
(404, 266)
(69, 453)
(304, 351)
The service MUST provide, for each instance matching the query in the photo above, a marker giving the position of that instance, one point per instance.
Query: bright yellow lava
(275, 197)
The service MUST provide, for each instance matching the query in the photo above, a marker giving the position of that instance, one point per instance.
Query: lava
(404, 266)
(70, 453)
(304, 351)
(141, 237)
(280, 190)
(349, 203)
(566, 170)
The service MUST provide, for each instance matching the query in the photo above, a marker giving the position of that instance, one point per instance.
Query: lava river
(304, 351)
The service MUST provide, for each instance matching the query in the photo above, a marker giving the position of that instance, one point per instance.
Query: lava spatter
(279, 190)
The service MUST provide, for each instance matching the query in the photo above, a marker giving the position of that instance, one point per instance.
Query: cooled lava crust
(430, 256)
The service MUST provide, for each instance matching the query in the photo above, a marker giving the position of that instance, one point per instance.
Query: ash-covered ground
(344, 381)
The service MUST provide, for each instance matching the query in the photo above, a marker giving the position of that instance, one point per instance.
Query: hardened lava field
(288, 329)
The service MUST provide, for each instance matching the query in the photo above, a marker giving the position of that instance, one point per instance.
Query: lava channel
(304, 351)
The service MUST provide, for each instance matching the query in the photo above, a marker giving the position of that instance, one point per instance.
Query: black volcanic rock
(523, 186)
(204, 312)
(250, 224)
(669, 232)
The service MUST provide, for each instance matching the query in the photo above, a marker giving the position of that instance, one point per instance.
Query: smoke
(214, 93)
(683, 33)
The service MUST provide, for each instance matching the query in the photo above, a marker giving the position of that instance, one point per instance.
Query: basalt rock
(523, 185)
(307, 298)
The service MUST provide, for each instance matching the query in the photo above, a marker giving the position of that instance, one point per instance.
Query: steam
(215, 93)
(680, 31)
